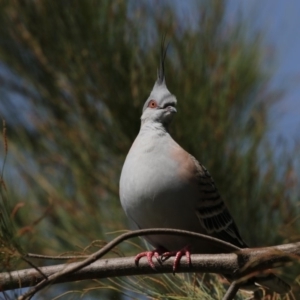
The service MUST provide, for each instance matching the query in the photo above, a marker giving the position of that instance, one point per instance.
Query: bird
(163, 186)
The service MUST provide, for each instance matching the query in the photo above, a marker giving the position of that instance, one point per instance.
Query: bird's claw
(162, 255)
(149, 255)
(178, 255)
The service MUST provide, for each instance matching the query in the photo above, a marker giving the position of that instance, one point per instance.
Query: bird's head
(160, 105)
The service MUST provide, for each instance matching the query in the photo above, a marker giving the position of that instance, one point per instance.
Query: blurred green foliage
(74, 76)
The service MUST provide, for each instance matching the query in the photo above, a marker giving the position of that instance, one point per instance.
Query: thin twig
(232, 290)
(34, 267)
(56, 257)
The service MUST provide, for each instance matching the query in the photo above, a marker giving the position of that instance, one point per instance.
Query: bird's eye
(152, 104)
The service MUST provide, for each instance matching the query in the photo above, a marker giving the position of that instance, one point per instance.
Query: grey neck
(157, 127)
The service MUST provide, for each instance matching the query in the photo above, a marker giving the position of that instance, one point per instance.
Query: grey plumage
(162, 185)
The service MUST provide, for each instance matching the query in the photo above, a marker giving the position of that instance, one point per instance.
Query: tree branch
(236, 265)
(95, 256)
(125, 266)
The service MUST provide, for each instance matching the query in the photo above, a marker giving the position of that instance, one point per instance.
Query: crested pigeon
(163, 186)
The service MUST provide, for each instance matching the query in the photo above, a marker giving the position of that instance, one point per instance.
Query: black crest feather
(163, 53)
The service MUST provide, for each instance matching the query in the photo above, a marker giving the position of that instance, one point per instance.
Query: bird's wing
(212, 211)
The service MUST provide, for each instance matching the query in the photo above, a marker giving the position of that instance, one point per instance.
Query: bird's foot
(149, 255)
(178, 255)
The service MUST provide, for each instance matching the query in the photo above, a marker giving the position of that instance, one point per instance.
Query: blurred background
(73, 79)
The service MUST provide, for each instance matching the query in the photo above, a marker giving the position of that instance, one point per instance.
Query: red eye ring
(152, 104)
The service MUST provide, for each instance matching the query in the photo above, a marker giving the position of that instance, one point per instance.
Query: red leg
(178, 255)
(149, 254)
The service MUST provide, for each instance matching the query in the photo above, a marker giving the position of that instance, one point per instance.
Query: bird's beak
(171, 109)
